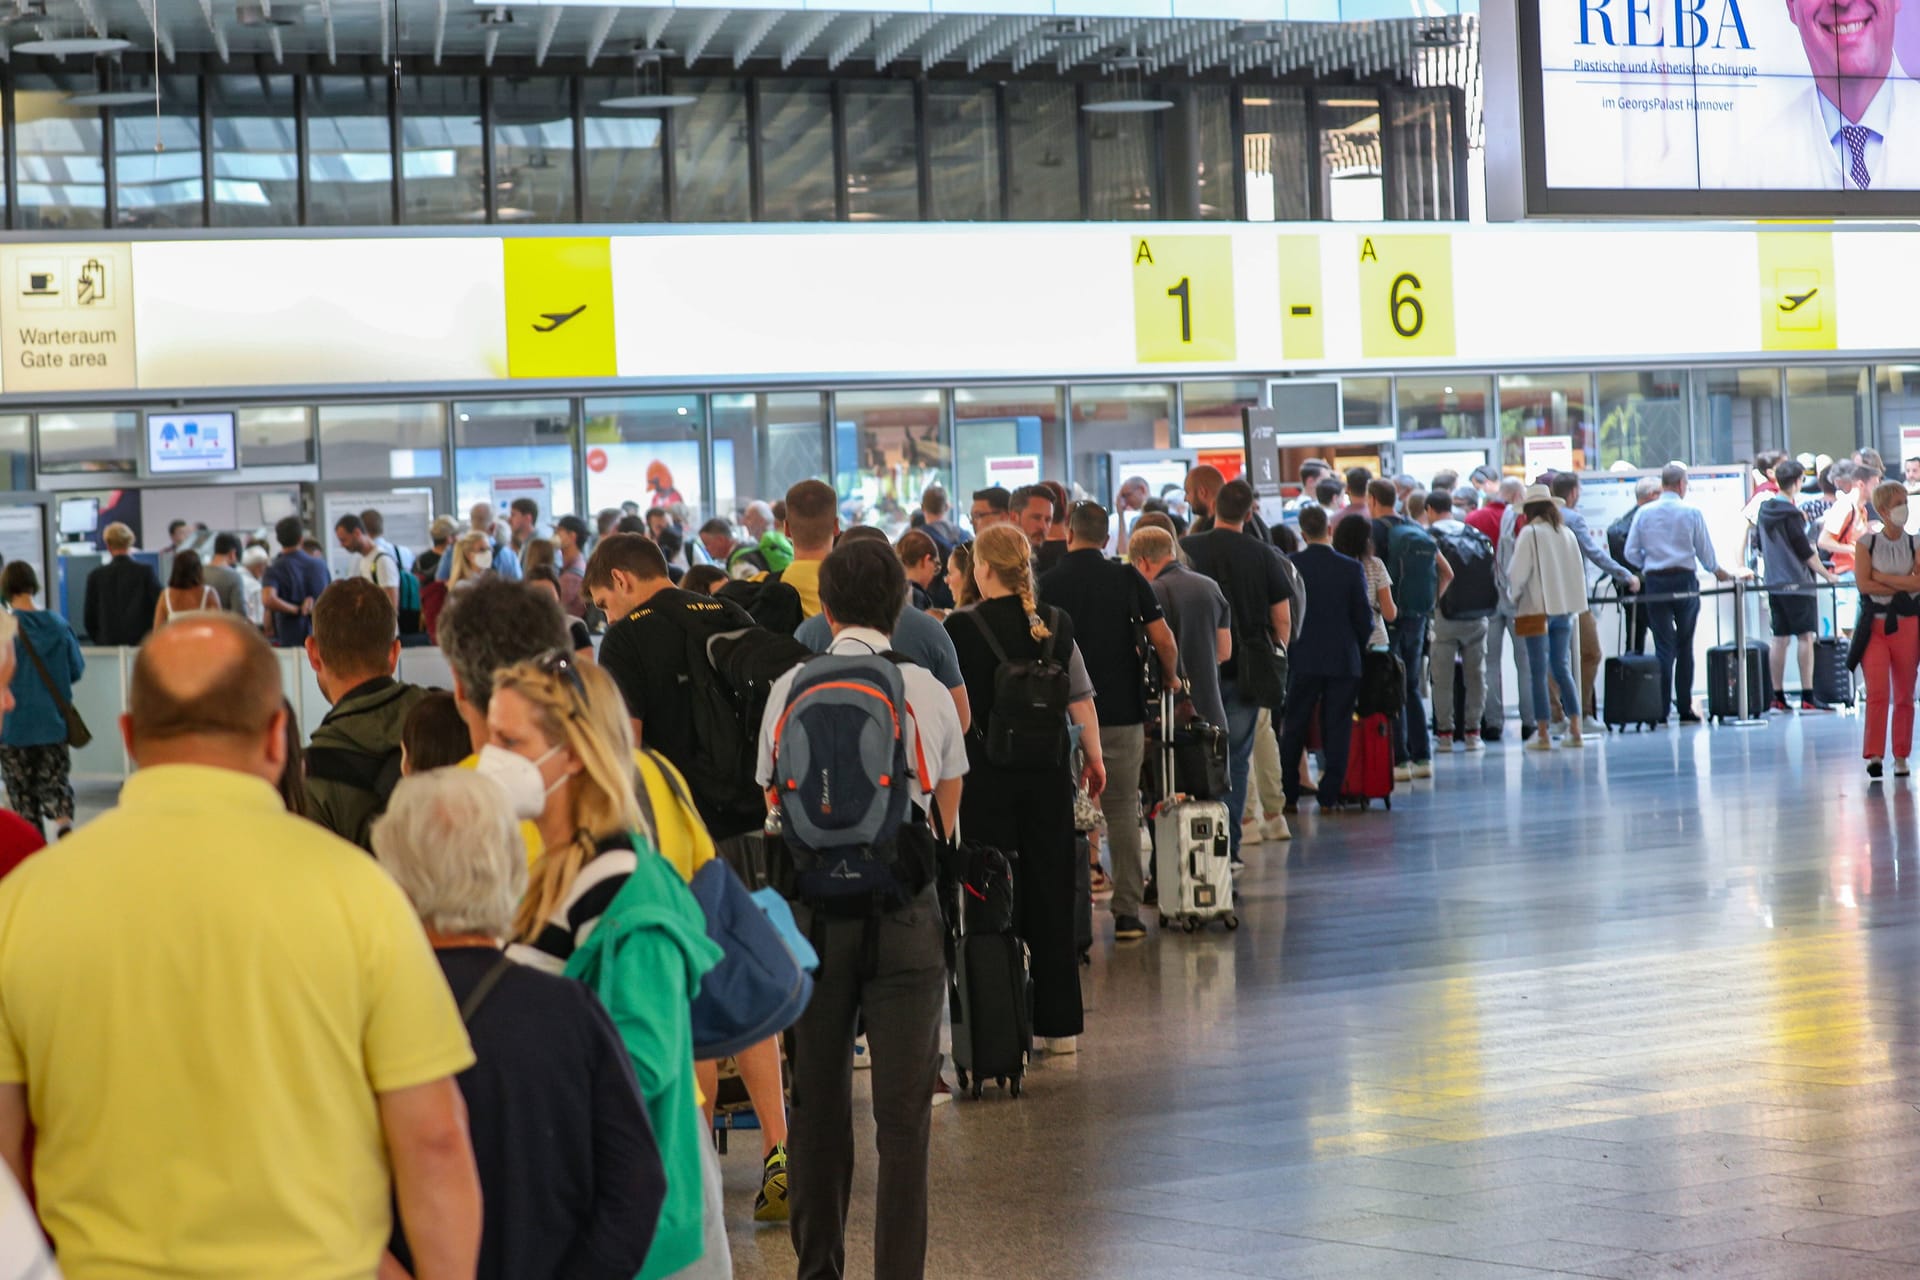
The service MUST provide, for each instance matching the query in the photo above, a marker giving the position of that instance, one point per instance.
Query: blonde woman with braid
(1027, 811)
(604, 908)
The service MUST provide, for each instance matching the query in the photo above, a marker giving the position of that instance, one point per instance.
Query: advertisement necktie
(1855, 136)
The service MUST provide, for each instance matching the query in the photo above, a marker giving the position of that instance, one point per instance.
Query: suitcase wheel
(1189, 925)
(1386, 802)
(962, 1073)
(1013, 1088)
(976, 1091)
(1231, 921)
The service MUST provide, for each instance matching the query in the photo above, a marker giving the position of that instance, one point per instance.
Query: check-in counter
(101, 697)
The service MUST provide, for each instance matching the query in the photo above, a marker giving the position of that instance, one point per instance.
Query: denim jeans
(1243, 717)
(1408, 638)
(1553, 653)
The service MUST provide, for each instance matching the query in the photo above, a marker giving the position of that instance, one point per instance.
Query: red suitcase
(1370, 763)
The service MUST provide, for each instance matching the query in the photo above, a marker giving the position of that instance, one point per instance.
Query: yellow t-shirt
(804, 576)
(681, 837)
(203, 994)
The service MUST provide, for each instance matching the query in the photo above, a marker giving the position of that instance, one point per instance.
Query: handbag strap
(484, 988)
(46, 678)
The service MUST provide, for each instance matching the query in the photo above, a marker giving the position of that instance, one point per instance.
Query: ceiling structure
(1440, 48)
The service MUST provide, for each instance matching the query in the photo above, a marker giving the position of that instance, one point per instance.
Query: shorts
(1793, 615)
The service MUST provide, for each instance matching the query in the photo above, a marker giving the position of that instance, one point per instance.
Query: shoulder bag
(78, 735)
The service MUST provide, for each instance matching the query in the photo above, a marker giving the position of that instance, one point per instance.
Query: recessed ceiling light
(112, 98)
(62, 46)
(1127, 106)
(649, 101)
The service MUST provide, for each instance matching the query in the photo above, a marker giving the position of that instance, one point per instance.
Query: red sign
(1229, 462)
(596, 460)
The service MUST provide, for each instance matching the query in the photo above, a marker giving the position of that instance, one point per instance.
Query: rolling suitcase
(1722, 690)
(1832, 682)
(990, 998)
(1369, 763)
(1630, 692)
(1192, 852)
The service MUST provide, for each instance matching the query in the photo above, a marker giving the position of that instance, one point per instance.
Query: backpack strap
(484, 988)
(993, 641)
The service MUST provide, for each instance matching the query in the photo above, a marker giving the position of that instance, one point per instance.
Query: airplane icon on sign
(555, 319)
(1794, 301)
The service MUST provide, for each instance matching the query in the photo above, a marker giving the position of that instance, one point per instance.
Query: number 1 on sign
(1183, 291)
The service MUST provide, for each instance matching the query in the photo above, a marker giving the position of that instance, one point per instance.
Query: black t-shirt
(1049, 556)
(1249, 573)
(1109, 602)
(646, 654)
(569, 1168)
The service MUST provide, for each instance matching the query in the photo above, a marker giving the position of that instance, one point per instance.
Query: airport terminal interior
(1528, 885)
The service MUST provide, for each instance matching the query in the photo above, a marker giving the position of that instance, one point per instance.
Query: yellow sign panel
(559, 308)
(1182, 298)
(1799, 302)
(1303, 334)
(1406, 296)
(69, 311)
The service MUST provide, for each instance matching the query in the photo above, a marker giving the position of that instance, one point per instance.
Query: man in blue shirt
(290, 586)
(1668, 537)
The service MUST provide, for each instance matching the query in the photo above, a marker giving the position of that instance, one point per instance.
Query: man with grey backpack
(857, 748)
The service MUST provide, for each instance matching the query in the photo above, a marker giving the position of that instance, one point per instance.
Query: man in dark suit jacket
(121, 594)
(1324, 662)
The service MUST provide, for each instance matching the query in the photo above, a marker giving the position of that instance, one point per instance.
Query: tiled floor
(1648, 1010)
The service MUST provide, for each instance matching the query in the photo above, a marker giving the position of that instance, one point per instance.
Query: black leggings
(1030, 816)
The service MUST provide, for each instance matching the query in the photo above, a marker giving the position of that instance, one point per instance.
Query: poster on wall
(504, 490)
(1541, 454)
(1013, 471)
(1726, 96)
(657, 474)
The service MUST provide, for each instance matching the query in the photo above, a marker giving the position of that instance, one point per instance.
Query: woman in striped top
(605, 909)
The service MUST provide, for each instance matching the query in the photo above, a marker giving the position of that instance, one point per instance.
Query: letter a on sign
(1366, 251)
(1142, 254)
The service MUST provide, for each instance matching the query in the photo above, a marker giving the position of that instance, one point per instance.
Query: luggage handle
(1166, 745)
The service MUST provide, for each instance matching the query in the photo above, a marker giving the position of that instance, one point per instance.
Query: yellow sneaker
(771, 1204)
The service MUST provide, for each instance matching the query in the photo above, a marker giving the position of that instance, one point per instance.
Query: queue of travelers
(456, 1025)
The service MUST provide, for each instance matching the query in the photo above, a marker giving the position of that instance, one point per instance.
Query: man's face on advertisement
(1846, 38)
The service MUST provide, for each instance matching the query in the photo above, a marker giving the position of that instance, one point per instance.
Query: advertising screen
(1721, 106)
(180, 443)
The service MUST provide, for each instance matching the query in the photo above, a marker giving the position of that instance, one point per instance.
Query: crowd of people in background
(418, 993)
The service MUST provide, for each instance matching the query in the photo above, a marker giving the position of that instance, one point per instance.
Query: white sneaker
(1474, 743)
(1900, 769)
(1539, 742)
(1423, 768)
(1403, 773)
(1276, 829)
(861, 1058)
(1589, 725)
(1063, 1045)
(1559, 725)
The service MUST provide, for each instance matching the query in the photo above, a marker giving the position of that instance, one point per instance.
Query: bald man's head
(206, 690)
(1203, 486)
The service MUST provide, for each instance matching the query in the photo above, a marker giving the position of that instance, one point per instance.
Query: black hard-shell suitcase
(1630, 692)
(1722, 691)
(1832, 682)
(992, 1006)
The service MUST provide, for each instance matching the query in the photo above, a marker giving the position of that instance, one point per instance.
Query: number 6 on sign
(1182, 299)
(1406, 296)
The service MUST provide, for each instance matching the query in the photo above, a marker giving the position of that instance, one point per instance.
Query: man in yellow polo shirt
(813, 518)
(224, 1022)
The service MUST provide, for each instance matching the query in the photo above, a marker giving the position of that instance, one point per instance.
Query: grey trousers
(900, 1005)
(1124, 747)
(1499, 629)
(1469, 640)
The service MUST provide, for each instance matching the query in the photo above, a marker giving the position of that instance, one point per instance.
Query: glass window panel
(646, 449)
(1042, 133)
(16, 451)
(277, 435)
(156, 160)
(1366, 402)
(883, 160)
(765, 444)
(1275, 154)
(796, 150)
(1421, 138)
(1827, 409)
(1643, 418)
(256, 152)
(1214, 112)
(889, 448)
(1124, 158)
(533, 149)
(1005, 422)
(495, 438)
(1545, 404)
(59, 160)
(1445, 408)
(710, 177)
(1899, 411)
(1736, 413)
(443, 166)
(1350, 156)
(1116, 418)
(349, 152)
(963, 138)
(382, 441)
(626, 158)
(1210, 412)
(80, 442)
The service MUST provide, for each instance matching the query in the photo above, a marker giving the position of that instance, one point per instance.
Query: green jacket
(353, 761)
(645, 960)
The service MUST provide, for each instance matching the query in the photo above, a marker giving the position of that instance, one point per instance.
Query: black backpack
(770, 602)
(1474, 592)
(747, 661)
(720, 769)
(1617, 533)
(1026, 727)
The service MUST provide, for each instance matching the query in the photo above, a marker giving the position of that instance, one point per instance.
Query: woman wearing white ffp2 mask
(472, 558)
